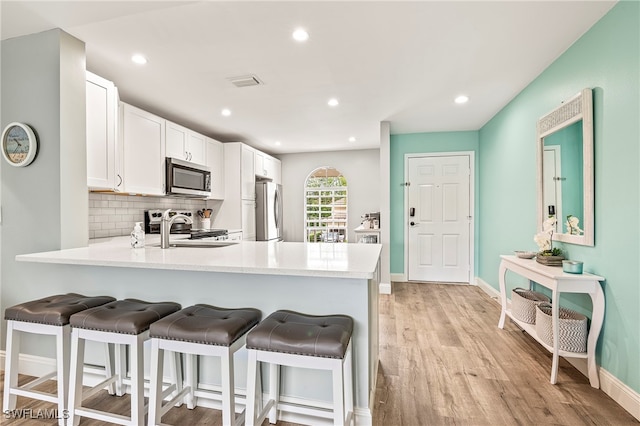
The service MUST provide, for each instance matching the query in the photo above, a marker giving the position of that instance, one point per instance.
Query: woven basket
(572, 328)
(523, 304)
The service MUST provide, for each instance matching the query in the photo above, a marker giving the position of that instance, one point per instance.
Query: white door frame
(472, 186)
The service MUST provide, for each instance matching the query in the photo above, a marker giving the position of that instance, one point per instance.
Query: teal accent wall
(420, 143)
(606, 59)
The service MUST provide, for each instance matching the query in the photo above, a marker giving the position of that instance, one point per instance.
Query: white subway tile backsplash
(101, 234)
(112, 215)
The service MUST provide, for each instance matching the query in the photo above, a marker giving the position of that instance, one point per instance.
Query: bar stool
(123, 322)
(306, 341)
(199, 330)
(47, 316)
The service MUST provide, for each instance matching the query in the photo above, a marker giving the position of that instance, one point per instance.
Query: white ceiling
(402, 62)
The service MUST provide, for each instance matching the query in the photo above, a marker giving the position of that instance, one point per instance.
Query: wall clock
(19, 144)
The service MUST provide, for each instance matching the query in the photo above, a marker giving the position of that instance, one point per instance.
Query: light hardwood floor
(443, 361)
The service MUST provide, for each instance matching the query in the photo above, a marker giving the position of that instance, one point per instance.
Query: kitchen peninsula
(311, 278)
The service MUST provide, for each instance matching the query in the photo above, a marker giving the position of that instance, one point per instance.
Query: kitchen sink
(199, 243)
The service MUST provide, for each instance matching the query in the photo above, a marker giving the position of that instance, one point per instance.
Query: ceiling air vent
(246, 81)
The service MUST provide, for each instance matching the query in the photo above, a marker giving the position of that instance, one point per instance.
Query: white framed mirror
(565, 169)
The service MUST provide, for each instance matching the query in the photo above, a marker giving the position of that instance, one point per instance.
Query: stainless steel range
(153, 218)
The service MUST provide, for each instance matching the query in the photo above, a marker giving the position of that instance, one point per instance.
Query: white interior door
(439, 218)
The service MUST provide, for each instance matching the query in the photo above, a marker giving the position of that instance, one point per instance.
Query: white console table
(559, 282)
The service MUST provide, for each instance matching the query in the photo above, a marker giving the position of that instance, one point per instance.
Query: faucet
(165, 226)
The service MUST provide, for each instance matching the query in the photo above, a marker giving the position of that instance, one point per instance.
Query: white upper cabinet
(273, 167)
(267, 167)
(144, 151)
(247, 173)
(103, 150)
(197, 148)
(259, 163)
(184, 144)
(215, 161)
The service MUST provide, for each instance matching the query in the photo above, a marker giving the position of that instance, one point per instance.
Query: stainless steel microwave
(187, 179)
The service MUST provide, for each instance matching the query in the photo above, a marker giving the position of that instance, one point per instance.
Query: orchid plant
(572, 225)
(544, 238)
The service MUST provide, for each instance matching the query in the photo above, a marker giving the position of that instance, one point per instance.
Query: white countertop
(249, 257)
(367, 230)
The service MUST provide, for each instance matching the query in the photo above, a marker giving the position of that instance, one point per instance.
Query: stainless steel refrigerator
(268, 211)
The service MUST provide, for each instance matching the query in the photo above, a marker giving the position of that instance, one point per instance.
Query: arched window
(325, 206)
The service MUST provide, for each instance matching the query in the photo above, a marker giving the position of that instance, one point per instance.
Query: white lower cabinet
(235, 235)
(249, 220)
(143, 137)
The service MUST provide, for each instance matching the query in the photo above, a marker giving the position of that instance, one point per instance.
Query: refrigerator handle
(276, 208)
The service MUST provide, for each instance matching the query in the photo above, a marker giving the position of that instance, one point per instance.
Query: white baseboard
(385, 288)
(622, 394)
(484, 286)
(32, 365)
(398, 277)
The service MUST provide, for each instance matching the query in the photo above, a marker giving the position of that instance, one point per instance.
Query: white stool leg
(348, 384)
(155, 391)
(274, 391)
(176, 375)
(121, 367)
(250, 408)
(191, 379)
(108, 368)
(75, 377)
(11, 367)
(338, 394)
(63, 336)
(228, 389)
(137, 380)
(258, 400)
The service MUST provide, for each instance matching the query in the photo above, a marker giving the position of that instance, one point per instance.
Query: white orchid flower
(572, 225)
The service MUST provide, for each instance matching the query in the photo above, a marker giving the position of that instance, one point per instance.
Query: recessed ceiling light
(352, 139)
(333, 102)
(300, 34)
(226, 112)
(277, 143)
(139, 59)
(462, 99)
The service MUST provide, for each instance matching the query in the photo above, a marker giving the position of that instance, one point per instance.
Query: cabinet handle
(119, 183)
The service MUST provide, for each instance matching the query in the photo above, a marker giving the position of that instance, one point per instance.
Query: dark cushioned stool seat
(54, 310)
(206, 324)
(128, 316)
(301, 334)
